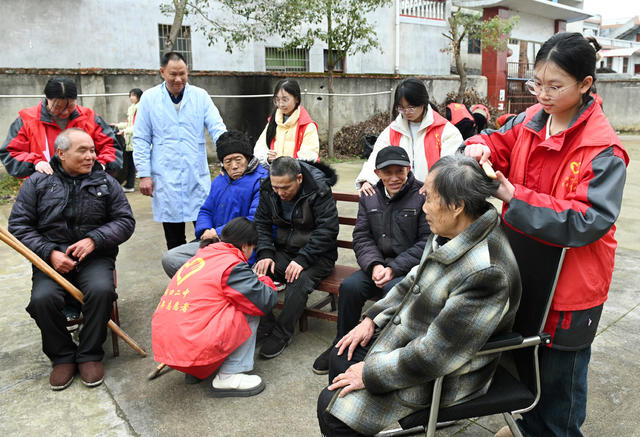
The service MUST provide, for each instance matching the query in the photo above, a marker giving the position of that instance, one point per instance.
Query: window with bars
(279, 59)
(183, 42)
(474, 45)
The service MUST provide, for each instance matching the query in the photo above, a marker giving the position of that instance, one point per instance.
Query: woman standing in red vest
(290, 130)
(566, 170)
(418, 129)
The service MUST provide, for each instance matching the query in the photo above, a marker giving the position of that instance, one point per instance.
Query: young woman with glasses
(290, 130)
(422, 132)
(562, 170)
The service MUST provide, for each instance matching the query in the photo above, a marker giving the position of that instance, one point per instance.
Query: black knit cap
(233, 141)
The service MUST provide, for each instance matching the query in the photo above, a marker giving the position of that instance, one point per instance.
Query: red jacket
(568, 192)
(458, 113)
(32, 135)
(200, 319)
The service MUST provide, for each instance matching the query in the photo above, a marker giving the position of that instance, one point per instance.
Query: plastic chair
(515, 387)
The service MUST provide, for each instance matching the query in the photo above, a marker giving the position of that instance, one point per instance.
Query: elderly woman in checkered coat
(465, 289)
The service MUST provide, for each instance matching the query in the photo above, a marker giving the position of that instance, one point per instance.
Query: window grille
(183, 42)
(279, 59)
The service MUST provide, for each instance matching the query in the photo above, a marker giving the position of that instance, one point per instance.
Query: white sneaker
(237, 385)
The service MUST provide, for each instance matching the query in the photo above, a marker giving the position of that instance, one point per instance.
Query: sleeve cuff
(266, 253)
(302, 261)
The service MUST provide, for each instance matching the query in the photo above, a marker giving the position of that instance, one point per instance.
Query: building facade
(124, 34)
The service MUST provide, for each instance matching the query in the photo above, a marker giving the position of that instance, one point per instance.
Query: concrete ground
(129, 404)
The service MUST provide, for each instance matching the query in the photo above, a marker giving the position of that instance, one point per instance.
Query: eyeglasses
(278, 100)
(407, 110)
(552, 92)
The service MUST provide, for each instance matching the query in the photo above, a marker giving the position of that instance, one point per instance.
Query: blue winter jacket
(230, 199)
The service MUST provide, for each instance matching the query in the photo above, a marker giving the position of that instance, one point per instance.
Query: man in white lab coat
(169, 147)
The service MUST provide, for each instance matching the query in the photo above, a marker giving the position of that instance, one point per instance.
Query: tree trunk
(170, 40)
(461, 72)
(330, 115)
(330, 66)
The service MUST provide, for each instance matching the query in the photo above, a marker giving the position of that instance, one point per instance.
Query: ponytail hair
(574, 54)
(292, 87)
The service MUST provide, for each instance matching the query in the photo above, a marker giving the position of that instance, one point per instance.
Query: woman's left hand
(506, 188)
(349, 381)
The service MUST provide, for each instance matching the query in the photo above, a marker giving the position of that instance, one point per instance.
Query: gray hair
(63, 142)
(285, 165)
(459, 179)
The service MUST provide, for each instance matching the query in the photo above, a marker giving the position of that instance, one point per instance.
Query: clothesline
(215, 96)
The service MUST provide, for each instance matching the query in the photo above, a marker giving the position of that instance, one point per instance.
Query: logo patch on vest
(189, 268)
(571, 181)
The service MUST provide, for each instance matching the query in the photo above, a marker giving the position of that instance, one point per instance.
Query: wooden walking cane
(23, 250)
(156, 371)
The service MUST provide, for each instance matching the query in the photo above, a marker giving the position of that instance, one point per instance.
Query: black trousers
(174, 234)
(129, 169)
(329, 424)
(94, 277)
(355, 290)
(296, 294)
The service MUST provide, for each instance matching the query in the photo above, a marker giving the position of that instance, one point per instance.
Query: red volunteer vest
(432, 138)
(304, 119)
(459, 112)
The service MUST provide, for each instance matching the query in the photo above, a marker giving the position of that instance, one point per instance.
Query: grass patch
(9, 187)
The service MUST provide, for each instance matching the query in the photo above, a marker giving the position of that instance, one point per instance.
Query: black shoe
(190, 379)
(273, 346)
(263, 332)
(321, 364)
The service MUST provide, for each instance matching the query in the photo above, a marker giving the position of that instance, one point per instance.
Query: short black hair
(171, 56)
(60, 88)
(239, 231)
(136, 92)
(413, 91)
(458, 178)
(285, 166)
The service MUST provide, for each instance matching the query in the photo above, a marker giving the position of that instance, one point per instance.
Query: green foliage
(300, 23)
(9, 187)
(492, 33)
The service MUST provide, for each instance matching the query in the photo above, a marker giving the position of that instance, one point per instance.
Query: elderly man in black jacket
(388, 239)
(74, 219)
(297, 201)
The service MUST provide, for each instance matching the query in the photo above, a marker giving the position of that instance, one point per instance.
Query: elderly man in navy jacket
(74, 219)
(388, 239)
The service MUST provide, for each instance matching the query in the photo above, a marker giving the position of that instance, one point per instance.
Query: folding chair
(511, 390)
(75, 318)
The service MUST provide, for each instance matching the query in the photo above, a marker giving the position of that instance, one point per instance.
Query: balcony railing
(520, 70)
(431, 9)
